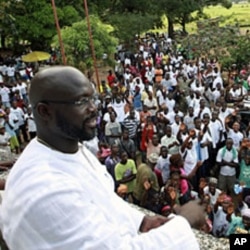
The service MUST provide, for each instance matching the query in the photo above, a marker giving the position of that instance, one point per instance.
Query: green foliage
(34, 20)
(240, 52)
(225, 43)
(129, 24)
(69, 16)
(77, 43)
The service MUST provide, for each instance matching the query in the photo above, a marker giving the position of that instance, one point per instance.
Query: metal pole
(59, 32)
(91, 43)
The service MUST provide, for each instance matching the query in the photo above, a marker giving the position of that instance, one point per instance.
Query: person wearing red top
(144, 114)
(111, 78)
(148, 130)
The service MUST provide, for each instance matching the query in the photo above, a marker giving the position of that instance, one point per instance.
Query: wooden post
(59, 32)
(91, 43)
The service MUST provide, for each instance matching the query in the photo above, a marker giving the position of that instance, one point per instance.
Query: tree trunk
(184, 27)
(170, 28)
(3, 41)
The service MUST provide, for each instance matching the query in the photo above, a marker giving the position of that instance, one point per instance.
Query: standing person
(112, 160)
(131, 123)
(21, 124)
(5, 95)
(22, 86)
(153, 146)
(9, 124)
(163, 164)
(126, 144)
(148, 129)
(151, 103)
(125, 173)
(227, 159)
(29, 118)
(5, 151)
(170, 141)
(110, 78)
(234, 133)
(112, 129)
(57, 188)
(146, 183)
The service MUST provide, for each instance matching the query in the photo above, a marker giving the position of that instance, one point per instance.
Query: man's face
(177, 119)
(124, 158)
(246, 222)
(206, 119)
(202, 103)
(236, 126)
(229, 144)
(155, 140)
(214, 116)
(132, 114)
(168, 131)
(115, 149)
(191, 110)
(164, 153)
(112, 117)
(125, 135)
(197, 123)
(212, 188)
(77, 122)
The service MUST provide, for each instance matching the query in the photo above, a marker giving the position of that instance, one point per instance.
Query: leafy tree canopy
(76, 42)
(225, 43)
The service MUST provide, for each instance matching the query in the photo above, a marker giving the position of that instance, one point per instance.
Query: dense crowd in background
(170, 129)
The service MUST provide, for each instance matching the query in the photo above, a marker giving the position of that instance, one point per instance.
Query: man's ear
(44, 111)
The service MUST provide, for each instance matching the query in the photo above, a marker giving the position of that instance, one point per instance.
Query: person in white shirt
(175, 112)
(216, 131)
(118, 105)
(5, 95)
(191, 162)
(151, 103)
(22, 87)
(205, 141)
(234, 133)
(150, 75)
(189, 118)
(163, 164)
(21, 124)
(170, 141)
(31, 125)
(58, 188)
(176, 125)
(212, 190)
(202, 109)
(227, 160)
(11, 73)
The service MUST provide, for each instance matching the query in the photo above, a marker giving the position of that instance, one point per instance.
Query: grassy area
(238, 13)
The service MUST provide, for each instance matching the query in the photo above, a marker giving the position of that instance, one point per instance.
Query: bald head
(56, 83)
(63, 105)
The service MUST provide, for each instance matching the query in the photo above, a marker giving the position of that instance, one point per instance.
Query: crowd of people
(16, 120)
(59, 196)
(169, 130)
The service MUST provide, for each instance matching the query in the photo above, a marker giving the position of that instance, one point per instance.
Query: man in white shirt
(21, 124)
(227, 159)
(151, 103)
(170, 141)
(5, 95)
(163, 164)
(58, 196)
(235, 134)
